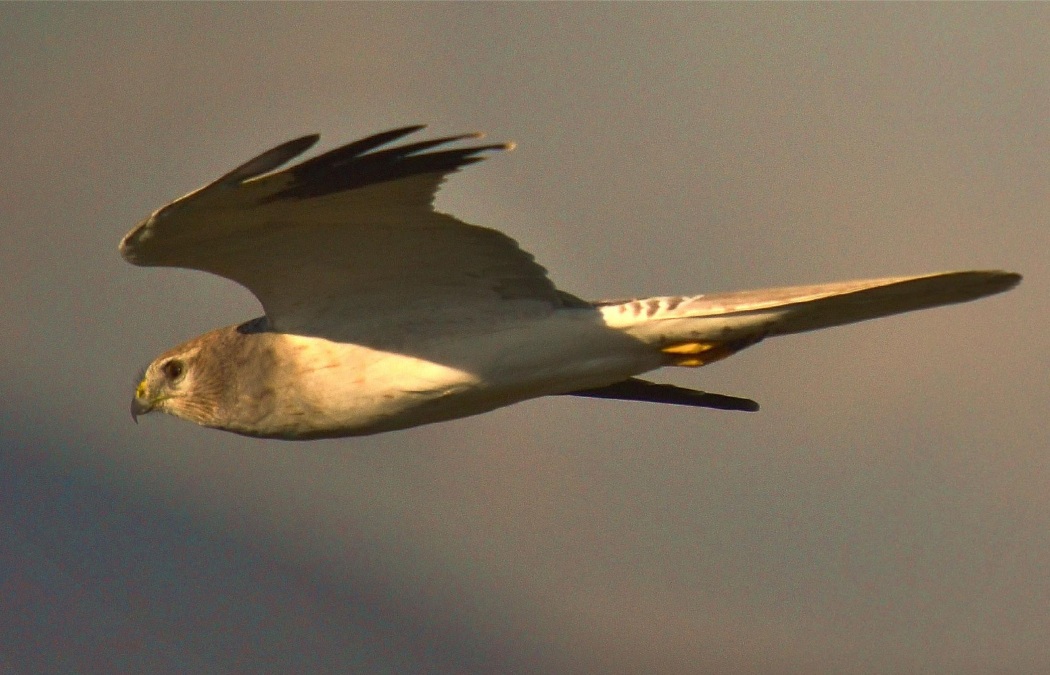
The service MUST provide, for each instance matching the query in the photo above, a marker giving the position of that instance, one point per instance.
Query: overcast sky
(886, 511)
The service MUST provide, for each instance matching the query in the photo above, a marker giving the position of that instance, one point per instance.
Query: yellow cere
(140, 391)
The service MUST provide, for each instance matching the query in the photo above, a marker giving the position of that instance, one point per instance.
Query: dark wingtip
(723, 402)
(366, 162)
(271, 159)
(635, 389)
(1008, 280)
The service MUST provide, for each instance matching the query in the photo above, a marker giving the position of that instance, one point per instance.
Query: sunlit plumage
(381, 313)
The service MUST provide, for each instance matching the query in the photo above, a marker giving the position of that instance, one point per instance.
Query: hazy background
(887, 511)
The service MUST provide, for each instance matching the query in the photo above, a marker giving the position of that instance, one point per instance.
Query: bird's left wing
(635, 389)
(330, 242)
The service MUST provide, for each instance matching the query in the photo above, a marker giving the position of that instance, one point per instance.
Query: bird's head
(176, 383)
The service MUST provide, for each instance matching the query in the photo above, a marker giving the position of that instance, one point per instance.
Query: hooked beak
(139, 407)
(140, 403)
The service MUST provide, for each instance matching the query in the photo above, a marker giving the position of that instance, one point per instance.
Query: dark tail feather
(634, 389)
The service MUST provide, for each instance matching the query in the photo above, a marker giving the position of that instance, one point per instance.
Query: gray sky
(886, 511)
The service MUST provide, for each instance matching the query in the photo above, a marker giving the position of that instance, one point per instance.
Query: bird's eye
(173, 369)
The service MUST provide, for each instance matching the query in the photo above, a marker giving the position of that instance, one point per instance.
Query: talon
(700, 353)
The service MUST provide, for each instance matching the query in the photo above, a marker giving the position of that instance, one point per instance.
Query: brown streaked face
(219, 379)
(168, 385)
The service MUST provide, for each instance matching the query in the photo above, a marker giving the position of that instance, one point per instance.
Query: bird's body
(320, 388)
(382, 314)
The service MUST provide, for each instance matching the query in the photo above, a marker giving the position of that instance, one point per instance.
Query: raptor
(382, 313)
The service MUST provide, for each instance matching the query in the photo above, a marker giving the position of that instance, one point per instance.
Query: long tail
(699, 329)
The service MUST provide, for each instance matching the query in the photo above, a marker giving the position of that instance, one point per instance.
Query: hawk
(382, 313)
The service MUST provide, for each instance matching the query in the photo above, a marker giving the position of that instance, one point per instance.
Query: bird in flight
(382, 313)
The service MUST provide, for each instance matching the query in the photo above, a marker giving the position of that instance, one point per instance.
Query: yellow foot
(701, 353)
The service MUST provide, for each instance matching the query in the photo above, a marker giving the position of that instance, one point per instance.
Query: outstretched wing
(328, 242)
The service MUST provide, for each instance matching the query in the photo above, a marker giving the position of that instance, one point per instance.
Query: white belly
(362, 390)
